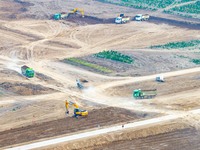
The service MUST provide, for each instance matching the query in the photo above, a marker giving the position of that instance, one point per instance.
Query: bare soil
(146, 62)
(32, 38)
(183, 83)
(25, 89)
(180, 139)
(97, 117)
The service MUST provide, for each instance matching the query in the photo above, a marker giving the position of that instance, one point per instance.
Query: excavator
(64, 15)
(77, 110)
(75, 10)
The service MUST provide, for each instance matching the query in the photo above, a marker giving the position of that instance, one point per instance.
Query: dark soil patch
(89, 20)
(25, 4)
(183, 139)
(25, 89)
(58, 44)
(10, 73)
(110, 116)
(182, 24)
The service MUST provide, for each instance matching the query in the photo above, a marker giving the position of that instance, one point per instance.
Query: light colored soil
(40, 43)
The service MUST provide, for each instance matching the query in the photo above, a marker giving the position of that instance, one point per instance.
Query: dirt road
(29, 37)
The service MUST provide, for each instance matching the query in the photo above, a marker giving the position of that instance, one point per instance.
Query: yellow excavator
(75, 10)
(77, 110)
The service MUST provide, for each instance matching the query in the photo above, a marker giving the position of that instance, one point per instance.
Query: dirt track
(31, 38)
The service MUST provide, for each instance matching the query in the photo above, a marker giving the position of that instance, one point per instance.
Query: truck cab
(118, 20)
(138, 17)
(30, 72)
(137, 93)
(27, 71)
(141, 17)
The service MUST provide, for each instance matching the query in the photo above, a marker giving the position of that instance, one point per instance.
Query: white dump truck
(122, 19)
(141, 17)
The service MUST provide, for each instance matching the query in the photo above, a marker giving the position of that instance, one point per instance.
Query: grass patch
(190, 8)
(196, 61)
(180, 56)
(177, 45)
(142, 4)
(116, 56)
(87, 64)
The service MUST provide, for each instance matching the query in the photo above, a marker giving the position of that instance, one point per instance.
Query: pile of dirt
(96, 118)
(25, 89)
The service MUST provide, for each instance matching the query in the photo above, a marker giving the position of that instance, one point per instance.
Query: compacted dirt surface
(33, 109)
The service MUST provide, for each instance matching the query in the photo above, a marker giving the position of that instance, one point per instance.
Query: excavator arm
(75, 10)
(77, 111)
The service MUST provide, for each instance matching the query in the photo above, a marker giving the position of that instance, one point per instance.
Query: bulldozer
(77, 110)
(75, 10)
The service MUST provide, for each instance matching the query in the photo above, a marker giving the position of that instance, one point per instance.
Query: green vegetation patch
(143, 4)
(196, 61)
(116, 56)
(176, 45)
(190, 8)
(87, 64)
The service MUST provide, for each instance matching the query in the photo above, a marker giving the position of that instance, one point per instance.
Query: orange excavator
(77, 110)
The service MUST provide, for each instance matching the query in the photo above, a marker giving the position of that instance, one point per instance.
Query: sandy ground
(31, 38)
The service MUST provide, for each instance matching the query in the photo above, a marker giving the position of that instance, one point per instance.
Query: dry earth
(29, 36)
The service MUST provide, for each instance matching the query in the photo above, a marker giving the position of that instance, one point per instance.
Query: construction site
(99, 75)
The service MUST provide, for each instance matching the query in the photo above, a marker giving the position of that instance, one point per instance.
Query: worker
(67, 106)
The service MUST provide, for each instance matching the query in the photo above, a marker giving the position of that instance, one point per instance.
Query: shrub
(87, 64)
(114, 55)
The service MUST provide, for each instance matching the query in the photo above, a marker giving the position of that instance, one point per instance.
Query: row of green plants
(190, 8)
(196, 61)
(87, 64)
(114, 55)
(152, 4)
(179, 13)
(176, 45)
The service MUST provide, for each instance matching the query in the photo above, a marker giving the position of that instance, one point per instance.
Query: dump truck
(122, 19)
(79, 84)
(160, 78)
(27, 71)
(144, 94)
(141, 17)
(59, 16)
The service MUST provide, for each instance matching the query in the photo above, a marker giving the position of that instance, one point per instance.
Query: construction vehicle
(122, 19)
(27, 71)
(160, 78)
(77, 110)
(75, 10)
(64, 15)
(144, 94)
(59, 16)
(141, 17)
(79, 84)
